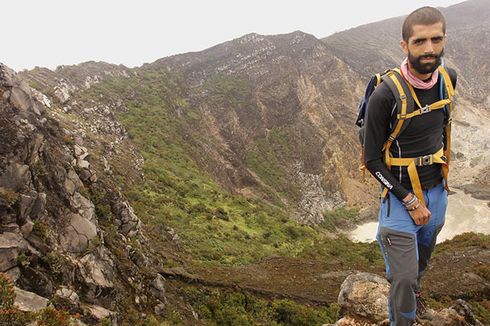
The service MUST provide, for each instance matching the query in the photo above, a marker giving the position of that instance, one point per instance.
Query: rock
(26, 202)
(28, 301)
(68, 295)
(35, 146)
(11, 245)
(82, 164)
(464, 309)
(364, 295)
(13, 273)
(16, 177)
(26, 228)
(157, 287)
(161, 310)
(39, 207)
(447, 316)
(72, 182)
(97, 270)
(78, 233)
(127, 221)
(98, 312)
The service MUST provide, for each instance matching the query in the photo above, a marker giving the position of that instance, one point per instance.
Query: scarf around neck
(416, 82)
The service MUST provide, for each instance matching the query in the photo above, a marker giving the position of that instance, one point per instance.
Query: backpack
(406, 101)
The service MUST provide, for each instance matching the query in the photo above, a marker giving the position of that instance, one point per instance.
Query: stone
(364, 295)
(161, 310)
(39, 207)
(14, 274)
(20, 100)
(127, 221)
(29, 301)
(78, 234)
(72, 182)
(26, 228)
(68, 295)
(447, 316)
(97, 270)
(11, 245)
(82, 164)
(26, 202)
(35, 146)
(16, 177)
(98, 312)
(157, 287)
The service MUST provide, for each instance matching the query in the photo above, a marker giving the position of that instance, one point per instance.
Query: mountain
(208, 187)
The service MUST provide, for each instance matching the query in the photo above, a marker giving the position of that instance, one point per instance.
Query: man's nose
(429, 47)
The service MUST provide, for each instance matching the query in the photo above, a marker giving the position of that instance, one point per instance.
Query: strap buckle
(425, 109)
(425, 160)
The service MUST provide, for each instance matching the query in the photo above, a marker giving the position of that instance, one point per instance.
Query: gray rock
(127, 221)
(14, 274)
(20, 100)
(28, 301)
(82, 164)
(157, 287)
(97, 270)
(16, 177)
(35, 146)
(39, 207)
(7, 76)
(98, 312)
(26, 202)
(68, 295)
(26, 228)
(364, 295)
(72, 182)
(161, 310)
(78, 234)
(11, 245)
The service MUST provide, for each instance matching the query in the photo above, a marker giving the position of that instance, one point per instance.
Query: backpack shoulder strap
(404, 100)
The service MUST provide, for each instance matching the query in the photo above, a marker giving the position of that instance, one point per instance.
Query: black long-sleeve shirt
(423, 136)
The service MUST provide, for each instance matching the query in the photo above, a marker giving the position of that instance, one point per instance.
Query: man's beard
(425, 68)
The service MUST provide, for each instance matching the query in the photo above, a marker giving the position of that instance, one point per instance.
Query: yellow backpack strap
(450, 94)
(395, 82)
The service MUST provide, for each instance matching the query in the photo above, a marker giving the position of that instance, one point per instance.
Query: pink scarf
(416, 82)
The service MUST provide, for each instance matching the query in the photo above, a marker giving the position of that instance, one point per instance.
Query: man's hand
(420, 215)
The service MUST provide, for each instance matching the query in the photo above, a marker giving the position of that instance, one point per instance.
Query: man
(413, 211)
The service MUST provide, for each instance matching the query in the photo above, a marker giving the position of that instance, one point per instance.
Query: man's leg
(436, 199)
(397, 236)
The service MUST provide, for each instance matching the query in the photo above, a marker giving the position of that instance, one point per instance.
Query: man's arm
(380, 107)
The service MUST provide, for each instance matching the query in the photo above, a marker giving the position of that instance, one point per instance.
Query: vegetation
(237, 308)
(12, 316)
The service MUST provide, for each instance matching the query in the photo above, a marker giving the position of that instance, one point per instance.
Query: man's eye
(418, 42)
(437, 39)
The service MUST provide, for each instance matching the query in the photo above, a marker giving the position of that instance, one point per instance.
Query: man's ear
(404, 46)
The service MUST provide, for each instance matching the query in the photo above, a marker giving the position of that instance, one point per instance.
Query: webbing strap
(447, 151)
(412, 162)
(426, 109)
(399, 123)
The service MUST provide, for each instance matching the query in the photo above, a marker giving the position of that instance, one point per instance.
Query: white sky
(49, 33)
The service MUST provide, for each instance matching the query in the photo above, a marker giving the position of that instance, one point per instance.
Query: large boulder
(364, 295)
(29, 301)
(11, 245)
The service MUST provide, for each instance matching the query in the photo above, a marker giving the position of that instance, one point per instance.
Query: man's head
(424, 37)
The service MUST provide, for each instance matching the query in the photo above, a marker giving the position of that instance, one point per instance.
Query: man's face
(425, 47)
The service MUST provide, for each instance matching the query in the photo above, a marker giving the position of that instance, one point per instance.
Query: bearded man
(414, 203)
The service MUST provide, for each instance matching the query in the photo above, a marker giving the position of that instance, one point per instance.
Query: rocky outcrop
(51, 242)
(363, 302)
